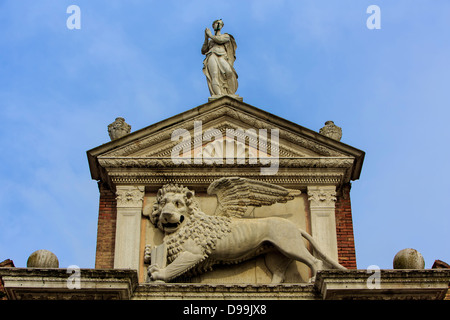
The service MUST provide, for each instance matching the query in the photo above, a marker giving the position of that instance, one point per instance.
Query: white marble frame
(322, 205)
(128, 226)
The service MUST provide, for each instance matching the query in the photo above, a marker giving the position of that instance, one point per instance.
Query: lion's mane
(203, 229)
(191, 202)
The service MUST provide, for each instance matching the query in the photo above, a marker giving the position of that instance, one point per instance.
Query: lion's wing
(236, 194)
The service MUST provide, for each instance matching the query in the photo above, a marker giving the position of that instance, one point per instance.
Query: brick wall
(106, 230)
(439, 264)
(2, 291)
(344, 230)
(8, 263)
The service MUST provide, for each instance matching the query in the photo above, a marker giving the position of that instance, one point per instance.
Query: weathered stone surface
(129, 208)
(144, 159)
(51, 284)
(409, 259)
(175, 291)
(218, 66)
(54, 284)
(197, 241)
(8, 263)
(118, 128)
(42, 259)
(253, 271)
(305, 156)
(429, 284)
(331, 131)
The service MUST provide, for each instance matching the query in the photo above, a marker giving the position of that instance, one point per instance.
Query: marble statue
(194, 242)
(218, 65)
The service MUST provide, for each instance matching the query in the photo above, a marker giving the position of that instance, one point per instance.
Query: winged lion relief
(194, 242)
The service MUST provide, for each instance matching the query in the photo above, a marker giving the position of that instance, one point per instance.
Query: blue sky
(306, 61)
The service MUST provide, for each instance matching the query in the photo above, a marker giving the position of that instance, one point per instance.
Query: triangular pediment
(204, 129)
(223, 128)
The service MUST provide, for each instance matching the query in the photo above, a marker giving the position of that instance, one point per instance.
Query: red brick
(344, 230)
(106, 229)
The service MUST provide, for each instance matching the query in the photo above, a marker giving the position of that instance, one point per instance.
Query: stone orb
(42, 259)
(409, 259)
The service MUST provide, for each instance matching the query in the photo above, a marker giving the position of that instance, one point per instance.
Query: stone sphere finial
(409, 259)
(331, 130)
(42, 259)
(118, 128)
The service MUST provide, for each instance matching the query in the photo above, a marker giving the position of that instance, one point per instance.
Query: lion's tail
(322, 255)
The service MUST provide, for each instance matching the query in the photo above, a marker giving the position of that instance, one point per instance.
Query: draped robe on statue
(218, 65)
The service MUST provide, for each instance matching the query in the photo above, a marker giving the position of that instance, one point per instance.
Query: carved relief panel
(252, 271)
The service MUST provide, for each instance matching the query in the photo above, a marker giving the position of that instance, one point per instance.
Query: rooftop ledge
(398, 284)
(106, 284)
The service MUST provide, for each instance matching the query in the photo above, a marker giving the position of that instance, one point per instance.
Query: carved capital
(322, 196)
(129, 196)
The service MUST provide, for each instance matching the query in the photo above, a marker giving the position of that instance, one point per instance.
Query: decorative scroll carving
(129, 196)
(323, 223)
(226, 110)
(207, 177)
(316, 162)
(322, 197)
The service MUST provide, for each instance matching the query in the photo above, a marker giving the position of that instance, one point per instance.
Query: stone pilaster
(128, 228)
(323, 222)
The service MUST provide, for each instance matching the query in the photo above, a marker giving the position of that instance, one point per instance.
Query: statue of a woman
(218, 65)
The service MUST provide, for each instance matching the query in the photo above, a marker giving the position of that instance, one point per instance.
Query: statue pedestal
(234, 96)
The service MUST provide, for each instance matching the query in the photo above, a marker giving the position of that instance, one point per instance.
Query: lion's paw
(147, 254)
(156, 273)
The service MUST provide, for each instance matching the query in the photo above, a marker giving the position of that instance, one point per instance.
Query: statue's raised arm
(218, 66)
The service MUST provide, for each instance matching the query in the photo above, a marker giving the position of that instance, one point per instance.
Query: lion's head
(173, 207)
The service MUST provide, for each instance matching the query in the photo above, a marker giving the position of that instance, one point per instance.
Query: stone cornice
(52, 284)
(225, 291)
(293, 172)
(150, 162)
(231, 110)
(224, 111)
(206, 178)
(399, 284)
